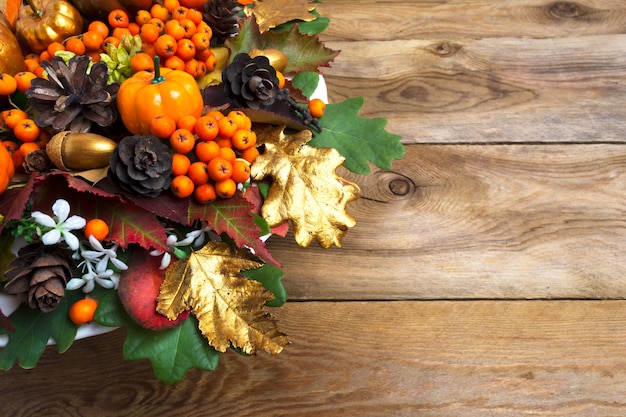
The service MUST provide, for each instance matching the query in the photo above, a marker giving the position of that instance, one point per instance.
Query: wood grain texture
(512, 192)
(444, 358)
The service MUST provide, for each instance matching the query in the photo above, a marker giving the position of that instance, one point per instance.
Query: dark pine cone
(221, 16)
(251, 82)
(141, 165)
(71, 97)
(38, 275)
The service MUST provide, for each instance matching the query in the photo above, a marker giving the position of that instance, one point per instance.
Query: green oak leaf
(304, 52)
(357, 139)
(312, 27)
(33, 329)
(172, 352)
(307, 82)
(270, 277)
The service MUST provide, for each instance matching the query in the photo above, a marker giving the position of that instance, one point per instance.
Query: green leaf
(171, 352)
(270, 277)
(357, 139)
(307, 82)
(304, 52)
(312, 27)
(262, 223)
(34, 328)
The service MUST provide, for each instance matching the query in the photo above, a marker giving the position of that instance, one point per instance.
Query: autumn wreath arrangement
(149, 149)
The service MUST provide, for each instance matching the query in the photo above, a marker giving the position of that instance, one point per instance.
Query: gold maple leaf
(305, 187)
(271, 13)
(230, 309)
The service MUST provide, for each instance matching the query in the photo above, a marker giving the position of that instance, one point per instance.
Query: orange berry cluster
(22, 134)
(212, 153)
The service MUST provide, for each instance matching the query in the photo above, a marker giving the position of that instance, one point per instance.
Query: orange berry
(182, 141)
(241, 171)
(75, 45)
(142, 17)
(28, 147)
(165, 46)
(204, 28)
(98, 228)
(210, 61)
(206, 127)
(179, 12)
(120, 32)
(225, 188)
(54, 47)
(205, 151)
(241, 119)
(317, 107)
(134, 28)
(199, 172)
(160, 12)
(43, 138)
(111, 40)
(174, 62)
(83, 311)
(26, 130)
(185, 49)
(93, 40)
(243, 139)
(188, 122)
(281, 79)
(141, 61)
(149, 33)
(204, 193)
(8, 85)
(24, 80)
(227, 126)
(180, 164)
(118, 18)
(99, 27)
(194, 15)
(223, 142)
(32, 62)
(189, 26)
(171, 4)
(11, 117)
(182, 186)
(162, 126)
(228, 154)
(250, 154)
(175, 29)
(219, 168)
(159, 24)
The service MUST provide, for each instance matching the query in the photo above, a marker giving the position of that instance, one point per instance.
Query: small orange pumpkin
(164, 92)
(6, 168)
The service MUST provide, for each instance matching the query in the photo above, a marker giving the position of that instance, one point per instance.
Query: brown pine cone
(37, 276)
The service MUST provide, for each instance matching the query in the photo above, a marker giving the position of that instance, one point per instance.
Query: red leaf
(13, 202)
(232, 216)
(129, 224)
(138, 291)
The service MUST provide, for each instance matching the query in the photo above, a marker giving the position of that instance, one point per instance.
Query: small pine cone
(221, 16)
(37, 276)
(251, 82)
(36, 161)
(141, 165)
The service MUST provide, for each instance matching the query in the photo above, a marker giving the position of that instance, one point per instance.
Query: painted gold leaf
(271, 13)
(230, 309)
(305, 187)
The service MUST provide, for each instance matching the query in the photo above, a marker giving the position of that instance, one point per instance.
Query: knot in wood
(400, 186)
(444, 49)
(565, 10)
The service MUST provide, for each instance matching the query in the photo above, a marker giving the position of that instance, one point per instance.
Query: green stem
(158, 78)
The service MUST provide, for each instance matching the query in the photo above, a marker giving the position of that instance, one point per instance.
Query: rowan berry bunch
(212, 153)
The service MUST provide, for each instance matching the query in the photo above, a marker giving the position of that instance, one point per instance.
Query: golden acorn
(70, 151)
(277, 58)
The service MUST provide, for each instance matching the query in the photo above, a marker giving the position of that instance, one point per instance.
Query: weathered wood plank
(558, 358)
(489, 90)
(471, 221)
(376, 20)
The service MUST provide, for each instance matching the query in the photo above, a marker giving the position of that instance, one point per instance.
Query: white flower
(195, 238)
(96, 263)
(62, 226)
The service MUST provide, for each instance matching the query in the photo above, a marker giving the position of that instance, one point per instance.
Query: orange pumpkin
(164, 92)
(6, 168)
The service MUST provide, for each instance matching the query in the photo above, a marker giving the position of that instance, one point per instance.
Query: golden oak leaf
(305, 187)
(230, 309)
(271, 13)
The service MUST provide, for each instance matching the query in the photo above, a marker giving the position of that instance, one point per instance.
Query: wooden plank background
(486, 273)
